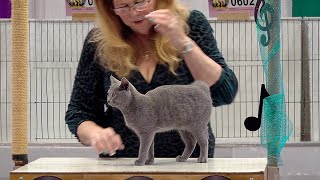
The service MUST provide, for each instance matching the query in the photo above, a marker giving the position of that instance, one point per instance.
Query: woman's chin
(142, 30)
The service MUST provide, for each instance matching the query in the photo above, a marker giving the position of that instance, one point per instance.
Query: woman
(152, 43)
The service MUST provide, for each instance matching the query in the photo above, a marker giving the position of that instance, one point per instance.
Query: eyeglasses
(138, 6)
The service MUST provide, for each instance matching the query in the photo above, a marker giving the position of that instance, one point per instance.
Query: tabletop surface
(161, 165)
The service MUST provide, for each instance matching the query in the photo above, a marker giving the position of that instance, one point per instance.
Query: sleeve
(225, 89)
(87, 96)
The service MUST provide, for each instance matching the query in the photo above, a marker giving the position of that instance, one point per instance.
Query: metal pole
(305, 84)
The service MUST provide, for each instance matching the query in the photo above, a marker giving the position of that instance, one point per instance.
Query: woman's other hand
(101, 139)
(106, 140)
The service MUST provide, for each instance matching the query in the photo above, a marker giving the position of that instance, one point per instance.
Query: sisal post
(274, 87)
(20, 82)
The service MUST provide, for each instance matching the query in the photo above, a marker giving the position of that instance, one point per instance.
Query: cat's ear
(124, 84)
(113, 79)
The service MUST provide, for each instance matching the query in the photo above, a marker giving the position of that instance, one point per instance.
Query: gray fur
(185, 108)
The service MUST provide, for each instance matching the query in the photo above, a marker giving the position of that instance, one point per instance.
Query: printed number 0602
(243, 2)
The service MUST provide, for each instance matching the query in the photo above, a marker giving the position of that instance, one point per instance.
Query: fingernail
(152, 20)
(156, 27)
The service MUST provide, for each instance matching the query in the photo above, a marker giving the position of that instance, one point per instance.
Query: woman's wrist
(187, 47)
(180, 43)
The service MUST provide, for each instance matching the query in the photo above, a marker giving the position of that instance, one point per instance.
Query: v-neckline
(152, 77)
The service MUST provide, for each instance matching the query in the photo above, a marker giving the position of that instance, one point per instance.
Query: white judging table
(123, 168)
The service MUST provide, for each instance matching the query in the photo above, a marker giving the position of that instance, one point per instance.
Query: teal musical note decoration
(264, 14)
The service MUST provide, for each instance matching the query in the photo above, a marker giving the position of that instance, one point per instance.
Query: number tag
(231, 6)
(80, 3)
(242, 3)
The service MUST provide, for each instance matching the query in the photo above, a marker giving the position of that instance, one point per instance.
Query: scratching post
(275, 127)
(274, 83)
(274, 86)
(20, 82)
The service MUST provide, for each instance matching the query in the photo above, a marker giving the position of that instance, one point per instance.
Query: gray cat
(185, 108)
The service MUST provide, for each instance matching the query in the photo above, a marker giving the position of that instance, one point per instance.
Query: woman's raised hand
(167, 23)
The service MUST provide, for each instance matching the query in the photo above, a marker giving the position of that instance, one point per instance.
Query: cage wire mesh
(54, 51)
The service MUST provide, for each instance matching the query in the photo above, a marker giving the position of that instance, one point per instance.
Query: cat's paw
(138, 163)
(181, 159)
(202, 160)
(150, 161)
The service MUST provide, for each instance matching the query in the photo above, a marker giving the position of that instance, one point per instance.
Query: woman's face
(134, 17)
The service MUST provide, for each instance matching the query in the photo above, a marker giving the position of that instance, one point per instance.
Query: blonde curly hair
(114, 49)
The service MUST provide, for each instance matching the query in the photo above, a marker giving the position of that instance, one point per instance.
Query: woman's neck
(145, 45)
(145, 42)
(144, 38)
